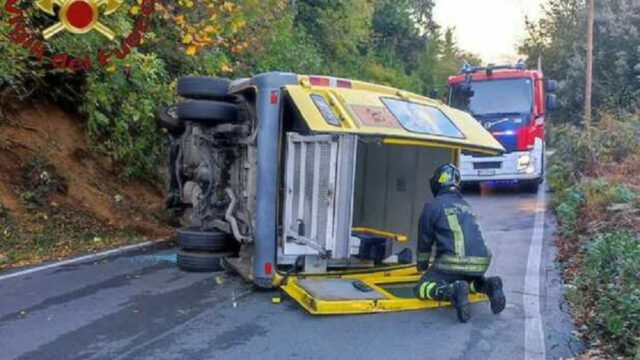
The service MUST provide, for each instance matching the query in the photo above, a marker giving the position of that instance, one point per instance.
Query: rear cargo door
(397, 118)
(319, 181)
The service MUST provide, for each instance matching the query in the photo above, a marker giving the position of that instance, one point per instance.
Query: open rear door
(380, 113)
(375, 292)
(397, 117)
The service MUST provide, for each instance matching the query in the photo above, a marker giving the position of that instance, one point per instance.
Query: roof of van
(338, 105)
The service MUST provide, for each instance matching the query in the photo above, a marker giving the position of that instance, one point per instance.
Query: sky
(489, 28)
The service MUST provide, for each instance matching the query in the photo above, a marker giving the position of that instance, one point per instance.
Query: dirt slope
(57, 197)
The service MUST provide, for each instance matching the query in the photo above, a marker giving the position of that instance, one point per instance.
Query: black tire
(167, 118)
(530, 186)
(208, 112)
(470, 187)
(192, 238)
(200, 261)
(205, 88)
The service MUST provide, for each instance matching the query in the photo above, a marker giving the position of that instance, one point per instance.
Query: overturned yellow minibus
(313, 184)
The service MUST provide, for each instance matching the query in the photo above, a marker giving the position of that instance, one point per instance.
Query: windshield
(507, 96)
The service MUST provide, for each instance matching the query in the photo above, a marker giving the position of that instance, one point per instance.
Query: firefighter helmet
(445, 177)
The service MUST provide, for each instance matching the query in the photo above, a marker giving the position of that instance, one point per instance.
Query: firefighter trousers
(436, 284)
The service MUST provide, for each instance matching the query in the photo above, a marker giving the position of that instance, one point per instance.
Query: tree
(558, 37)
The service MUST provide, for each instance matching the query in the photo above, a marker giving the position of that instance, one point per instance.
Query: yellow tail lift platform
(379, 291)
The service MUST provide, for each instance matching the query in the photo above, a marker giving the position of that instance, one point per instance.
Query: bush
(613, 140)
(607, 293)
(594, 200)
(9, 235)
(568, 210)
(120, 107)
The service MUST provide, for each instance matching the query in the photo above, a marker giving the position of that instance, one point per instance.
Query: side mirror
(552, 102)
(433, 93)
(552, 86)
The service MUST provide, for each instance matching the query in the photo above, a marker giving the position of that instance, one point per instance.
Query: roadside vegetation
(596, 196)
(594, 179)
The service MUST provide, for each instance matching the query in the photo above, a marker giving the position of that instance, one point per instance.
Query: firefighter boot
(493, 289)
(458, 294)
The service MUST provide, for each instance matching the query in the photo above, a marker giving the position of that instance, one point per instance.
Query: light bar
(329, 82)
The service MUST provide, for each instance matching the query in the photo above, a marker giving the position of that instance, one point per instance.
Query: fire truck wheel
(200, 261)
(470, 187)
(204, 88)
(167, 118)
(208, 112)
(192, 238)
(529, 186)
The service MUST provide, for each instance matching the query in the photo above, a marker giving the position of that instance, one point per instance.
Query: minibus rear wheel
(529, 186)
(200, 261)
(204, 88)
(208, 112)
(192, 238)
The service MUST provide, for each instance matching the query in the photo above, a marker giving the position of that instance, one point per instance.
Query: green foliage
(576, 157)
(339, 27)
(9, 233)
(395, 43)
(284, 48)
(568, 211)
(609, 283)
(559, 38)
(120, 108)
(571, 159)
(593, 203)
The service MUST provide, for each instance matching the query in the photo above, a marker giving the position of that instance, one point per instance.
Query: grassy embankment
(596, 196)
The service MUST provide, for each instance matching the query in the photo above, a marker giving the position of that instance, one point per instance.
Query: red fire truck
(511, 102)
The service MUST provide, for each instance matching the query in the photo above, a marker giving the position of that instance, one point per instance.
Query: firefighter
(461, 256)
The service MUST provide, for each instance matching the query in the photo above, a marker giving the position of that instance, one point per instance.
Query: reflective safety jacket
(448, 222)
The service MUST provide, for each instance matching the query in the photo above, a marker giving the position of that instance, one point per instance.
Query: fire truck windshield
(503, 96)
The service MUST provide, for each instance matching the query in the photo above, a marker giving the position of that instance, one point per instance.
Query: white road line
(533, 332)
(80, 259)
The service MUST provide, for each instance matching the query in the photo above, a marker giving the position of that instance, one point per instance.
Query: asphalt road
(140, 306)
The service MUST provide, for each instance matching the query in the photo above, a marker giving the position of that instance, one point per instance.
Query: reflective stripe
(423, 256)
(422, 289)
(469, 264)
(462, 268)
(430, 287)
(458, 236)
(471, 260)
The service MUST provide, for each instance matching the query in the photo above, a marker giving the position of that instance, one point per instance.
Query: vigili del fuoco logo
(77, 17)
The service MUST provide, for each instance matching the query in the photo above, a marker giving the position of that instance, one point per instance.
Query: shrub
(575, 157)
(120, 107)
(607, 293)
(9, 235)
(568, 210)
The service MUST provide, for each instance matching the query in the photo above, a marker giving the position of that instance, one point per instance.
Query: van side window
(422, 118)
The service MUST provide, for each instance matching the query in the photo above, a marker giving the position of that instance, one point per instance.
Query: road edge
(534, 333)
(94, 256)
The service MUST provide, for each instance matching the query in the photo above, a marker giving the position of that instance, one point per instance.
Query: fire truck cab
(511, 103)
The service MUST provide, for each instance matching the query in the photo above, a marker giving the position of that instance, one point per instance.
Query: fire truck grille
(487, 165)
